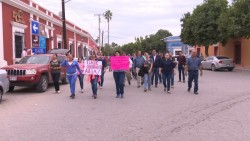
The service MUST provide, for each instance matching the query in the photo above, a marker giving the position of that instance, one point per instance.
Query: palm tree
(108, 16)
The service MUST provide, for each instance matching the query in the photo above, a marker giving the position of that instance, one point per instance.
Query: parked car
(4, 83)
(218, 62)
(33, 70)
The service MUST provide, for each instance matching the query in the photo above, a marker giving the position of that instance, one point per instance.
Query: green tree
(108, 16)
(201, 27)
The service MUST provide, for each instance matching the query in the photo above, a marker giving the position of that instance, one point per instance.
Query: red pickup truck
(33, 70)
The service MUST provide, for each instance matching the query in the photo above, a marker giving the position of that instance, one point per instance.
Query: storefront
(174, 45)
(25, 24)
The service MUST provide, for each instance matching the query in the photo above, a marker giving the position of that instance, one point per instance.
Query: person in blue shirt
(192, 68)
(167, 70)
(71, 72)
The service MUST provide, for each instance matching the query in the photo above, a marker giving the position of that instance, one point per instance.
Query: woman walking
(119, 76)
(81, 77)
(55, 72)
(167, 70)
(94, 79)
(71, 72)
(147, 70)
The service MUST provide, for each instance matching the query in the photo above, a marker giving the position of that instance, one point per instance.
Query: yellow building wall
(229, 51)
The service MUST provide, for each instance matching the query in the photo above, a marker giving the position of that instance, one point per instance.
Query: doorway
(237, 53)
(18, 46)
(215, 51)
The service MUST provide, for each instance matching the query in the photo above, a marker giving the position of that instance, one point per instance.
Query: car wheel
(213, 67)
(230, 69)
(11, 88)
(65, 81)
(1, 95)
(42, 85)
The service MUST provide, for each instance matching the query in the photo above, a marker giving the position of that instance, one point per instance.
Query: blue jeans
(81, 80)
(166, 77)
(102, 79)
(155, 75)
(160, 78)
(72, 83)
(172, 78)
(94, 84)
(181, 72)
(119, 82)
(193, 76)
(147, 80)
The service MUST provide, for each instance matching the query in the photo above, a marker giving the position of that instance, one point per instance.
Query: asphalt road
(220, 112)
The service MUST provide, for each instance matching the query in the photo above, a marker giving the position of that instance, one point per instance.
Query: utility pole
(64, 25)
(99, 21)
(102, 38)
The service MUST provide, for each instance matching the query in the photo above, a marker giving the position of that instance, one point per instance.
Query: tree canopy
(201, 27)
(216, 21)
(145, 44)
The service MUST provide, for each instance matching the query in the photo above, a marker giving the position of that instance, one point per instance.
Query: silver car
(4, 83)
(218, 62)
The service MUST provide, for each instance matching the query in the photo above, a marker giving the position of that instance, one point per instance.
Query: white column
(1, 33)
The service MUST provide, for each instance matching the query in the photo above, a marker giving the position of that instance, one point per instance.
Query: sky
(131, 18)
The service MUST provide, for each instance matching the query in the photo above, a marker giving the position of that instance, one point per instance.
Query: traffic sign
(42, 42)
(39, 50)
(35, 27)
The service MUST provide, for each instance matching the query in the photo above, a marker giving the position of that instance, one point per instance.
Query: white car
(4, 83)
(218, 62)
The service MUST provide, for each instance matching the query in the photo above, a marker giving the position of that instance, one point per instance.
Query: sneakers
(122, 96)
(189, 89)
(58, 92)
(129, 83)
(196, 93)
(168, 92)
(81, 91)
(72, 96)
(164, 89)
(145, 90)
(172, 86)
(118, 96)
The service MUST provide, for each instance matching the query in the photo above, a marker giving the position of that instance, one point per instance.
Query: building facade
(174, 45)
(237, 49)
(25, 24)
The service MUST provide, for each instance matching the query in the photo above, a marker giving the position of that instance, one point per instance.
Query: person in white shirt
(25, 52)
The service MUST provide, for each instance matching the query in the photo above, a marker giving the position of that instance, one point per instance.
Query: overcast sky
(131, 18)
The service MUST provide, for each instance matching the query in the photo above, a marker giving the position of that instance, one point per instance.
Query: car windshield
(34, 60)
(222, 57)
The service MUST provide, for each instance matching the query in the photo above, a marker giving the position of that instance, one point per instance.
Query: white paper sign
(92, 67)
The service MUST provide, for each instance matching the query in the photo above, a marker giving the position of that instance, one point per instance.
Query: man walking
(137, 65)
(174, 65)
(181, 66)
(192, 68)
(156, 64)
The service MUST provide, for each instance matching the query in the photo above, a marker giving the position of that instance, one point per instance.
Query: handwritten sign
(119, 62)
(92, 67)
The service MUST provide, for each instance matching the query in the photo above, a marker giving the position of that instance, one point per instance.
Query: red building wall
(7, 31)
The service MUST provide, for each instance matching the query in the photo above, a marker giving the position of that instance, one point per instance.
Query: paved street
(220, 112)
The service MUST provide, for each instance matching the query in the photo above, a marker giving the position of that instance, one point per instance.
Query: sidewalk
(239, 67)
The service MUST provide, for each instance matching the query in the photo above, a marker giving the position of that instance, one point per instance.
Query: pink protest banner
(119, 62)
